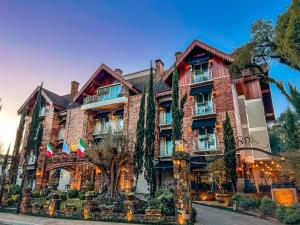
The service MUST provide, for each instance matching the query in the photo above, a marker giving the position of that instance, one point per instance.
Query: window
(204, 104)
(201, 73)
(102, 125)
(107, 93)
(118, 123)
(207, 139)
(166, 146)
(165, 115)
(61, 134)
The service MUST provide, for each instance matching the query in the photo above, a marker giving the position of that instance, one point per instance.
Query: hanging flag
(81, 147)
(66, 148)
(49, 150)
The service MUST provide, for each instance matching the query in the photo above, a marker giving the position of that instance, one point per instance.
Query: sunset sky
(60, 41)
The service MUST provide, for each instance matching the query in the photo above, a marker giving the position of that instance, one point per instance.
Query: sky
(59, 41)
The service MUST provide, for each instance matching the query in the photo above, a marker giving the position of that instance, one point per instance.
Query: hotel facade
(110, 100)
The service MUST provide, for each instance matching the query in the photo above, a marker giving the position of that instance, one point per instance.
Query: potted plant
(218, 176)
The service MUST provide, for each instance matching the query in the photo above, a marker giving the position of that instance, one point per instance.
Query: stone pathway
(211, 216)
(14, 219)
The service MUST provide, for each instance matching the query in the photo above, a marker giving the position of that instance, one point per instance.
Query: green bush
(81, 195)
(288, 215)
(63, 196)
(72, 193)
(35, 194)
(164, 200)
(244, 201)
(194, 215)
(14, 189)
(45, 192)
(10, 201)
(267, 207)
(15, 197)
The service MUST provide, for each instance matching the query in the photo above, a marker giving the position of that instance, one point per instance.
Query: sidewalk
(14, 219)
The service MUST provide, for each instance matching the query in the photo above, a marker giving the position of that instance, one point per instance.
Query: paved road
(212, 216)
(13, 219)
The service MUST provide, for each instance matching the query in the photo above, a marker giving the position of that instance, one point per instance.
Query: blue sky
(59, 40)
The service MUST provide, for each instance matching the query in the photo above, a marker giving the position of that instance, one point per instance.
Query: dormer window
(201, 72)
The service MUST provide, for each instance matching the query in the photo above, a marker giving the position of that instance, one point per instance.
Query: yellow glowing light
(98, 170)
(180, 219)
(282, 158)
(272, 162)
(261, 162)
(129, 215)
(86, 213)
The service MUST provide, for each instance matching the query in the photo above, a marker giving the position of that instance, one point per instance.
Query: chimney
(159, 67)
(178, 55)
(74, 88)
(119, 72)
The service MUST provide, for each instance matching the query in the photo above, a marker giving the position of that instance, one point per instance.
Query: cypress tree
(229, 153)
(150, 137)
(292, 133)
(140, 136)
(3, 173)
(176, 109)
(13, 170)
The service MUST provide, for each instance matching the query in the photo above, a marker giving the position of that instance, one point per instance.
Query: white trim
(253, 129)
(254, 100)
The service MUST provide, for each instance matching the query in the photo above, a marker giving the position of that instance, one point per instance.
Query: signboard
(284, 196)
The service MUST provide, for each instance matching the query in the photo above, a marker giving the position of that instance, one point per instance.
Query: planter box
(152, 212)
(220, 197)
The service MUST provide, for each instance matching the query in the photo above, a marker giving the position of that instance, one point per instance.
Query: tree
(176, 109)
(292, 163)
(229, 154)
(217, 172)
(33, 141)
(110, 155)
(13, 170)
(140, 136)
(150, 138)
(3, 173)
(280, 43)
(292, 133)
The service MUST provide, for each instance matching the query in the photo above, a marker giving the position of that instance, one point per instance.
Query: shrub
(288, 215)
(164, 200)
(267, 207)
(280, 213)
(14, 189)
(243, 201)
(35, 194)
(72, 193)
(10, 201)
(194, 215)
(15, 197)
(62, 196)
(45, 192)
(81, 195)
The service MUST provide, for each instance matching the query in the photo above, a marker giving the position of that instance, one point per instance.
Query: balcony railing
(114, 126)
(204, 108)
(105, 94)
(200, 76)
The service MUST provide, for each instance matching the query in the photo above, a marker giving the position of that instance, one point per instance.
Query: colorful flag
(49, 150)
(81, 147)
(66, 148)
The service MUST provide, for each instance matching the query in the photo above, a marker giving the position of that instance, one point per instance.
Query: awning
(201, 90)
(165, 103)
(198, 60)
(197, 124)
(164, 165)
(165, 133)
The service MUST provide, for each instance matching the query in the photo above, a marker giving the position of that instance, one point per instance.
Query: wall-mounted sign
(284, 196)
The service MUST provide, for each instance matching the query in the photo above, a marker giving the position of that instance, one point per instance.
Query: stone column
(129, 206)
(89, 206)
(182, 180)
(26, 201)
(54, 204)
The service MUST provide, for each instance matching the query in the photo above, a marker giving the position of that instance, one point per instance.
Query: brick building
(110, 99)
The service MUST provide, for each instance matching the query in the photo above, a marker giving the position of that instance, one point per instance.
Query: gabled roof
(113, 74)
(57, 100)
(197, 43)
